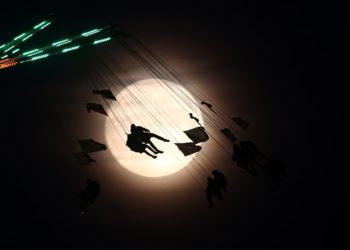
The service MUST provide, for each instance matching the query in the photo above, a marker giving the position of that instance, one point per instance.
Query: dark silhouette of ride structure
(139, 140)
(245, 154)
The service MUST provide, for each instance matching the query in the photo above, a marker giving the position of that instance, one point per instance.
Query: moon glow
(150, 104)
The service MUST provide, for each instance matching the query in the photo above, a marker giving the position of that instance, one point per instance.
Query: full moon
(151, 104)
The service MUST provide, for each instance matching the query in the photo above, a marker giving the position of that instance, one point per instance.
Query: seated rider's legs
(148, 153)
(148, 147)
(153, 146)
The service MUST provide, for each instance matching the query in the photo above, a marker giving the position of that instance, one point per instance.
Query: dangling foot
(160, 152)
(154, 157)
(166, 140)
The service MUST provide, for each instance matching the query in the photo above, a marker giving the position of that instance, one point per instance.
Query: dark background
(271, 62)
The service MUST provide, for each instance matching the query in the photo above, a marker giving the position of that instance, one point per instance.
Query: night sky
(267, 62)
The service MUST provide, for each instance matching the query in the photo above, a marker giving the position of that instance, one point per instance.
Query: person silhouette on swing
(143, 135)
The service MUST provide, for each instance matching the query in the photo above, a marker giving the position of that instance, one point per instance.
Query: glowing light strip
(9, 48)
(39, 57)
(60, 43)
(7, 64)
(20, 36)
(16, 50)
(39, 25)
(29, 52)
(102, 40)
(71, 48)
(2, 46)
(35, 53)
(5, 56)
(45, 26)
(27, 37)
(91, 32)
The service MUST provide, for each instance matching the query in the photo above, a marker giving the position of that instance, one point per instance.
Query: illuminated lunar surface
(150, 104)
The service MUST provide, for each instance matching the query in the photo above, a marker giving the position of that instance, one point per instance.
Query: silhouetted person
(220, 180)
(88, 195)
(212, 191)
(135, 145)
(143, 135)
(209, 106)
(194, 118)
(243, 160)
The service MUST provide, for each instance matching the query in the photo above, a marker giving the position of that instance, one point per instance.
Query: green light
(2, 46)
(45, 26)
(70, 49)
(27, 37)
(30, 52)
(60, 43)
(39, 57)
(5, 56)
(40, 24)
(9, 48)
(35, 53)
(16, 50)
(102, 40)
(91, 32)
(20, 36)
